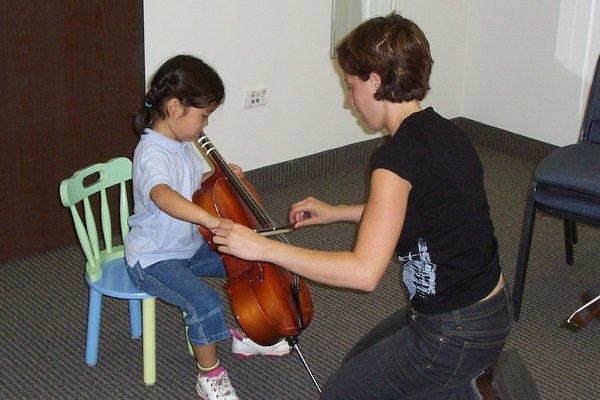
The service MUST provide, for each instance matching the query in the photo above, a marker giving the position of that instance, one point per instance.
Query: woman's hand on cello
(239, 240)
(311, 211)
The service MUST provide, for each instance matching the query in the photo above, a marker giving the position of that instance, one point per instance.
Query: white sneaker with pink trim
(215, 385)
(244, 347)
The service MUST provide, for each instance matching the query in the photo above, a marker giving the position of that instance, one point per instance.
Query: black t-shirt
(447, 242)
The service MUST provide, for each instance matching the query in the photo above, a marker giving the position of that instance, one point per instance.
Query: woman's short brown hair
(396, 49)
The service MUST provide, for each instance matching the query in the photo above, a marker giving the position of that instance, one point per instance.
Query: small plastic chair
(105, 270)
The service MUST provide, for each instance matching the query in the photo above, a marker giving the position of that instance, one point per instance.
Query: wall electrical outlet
(255, 98)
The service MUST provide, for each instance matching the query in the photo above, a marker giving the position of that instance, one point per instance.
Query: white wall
(524, 66)
(529, 65)
(281, 45)
(284, 45)
(444, 24)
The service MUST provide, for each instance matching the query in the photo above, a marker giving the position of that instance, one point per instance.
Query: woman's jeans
(416, 356)
(176, 282)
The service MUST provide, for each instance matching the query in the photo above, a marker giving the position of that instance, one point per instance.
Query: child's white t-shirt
(156, 236)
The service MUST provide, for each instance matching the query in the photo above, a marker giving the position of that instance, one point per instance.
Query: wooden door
(71, 75)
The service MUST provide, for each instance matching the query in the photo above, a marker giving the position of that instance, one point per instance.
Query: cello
(268, 302)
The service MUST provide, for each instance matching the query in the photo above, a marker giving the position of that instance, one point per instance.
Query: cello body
(269, 302)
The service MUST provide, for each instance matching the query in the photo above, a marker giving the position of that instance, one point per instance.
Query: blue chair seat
(568, 180)
(574, 167)
(115, 282)
(576, 203)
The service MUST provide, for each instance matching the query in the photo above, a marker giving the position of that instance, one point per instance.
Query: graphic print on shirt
(419, 272)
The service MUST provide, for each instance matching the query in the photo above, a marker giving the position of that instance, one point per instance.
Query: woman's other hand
(311, 211)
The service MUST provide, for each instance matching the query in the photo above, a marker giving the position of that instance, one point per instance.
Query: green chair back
(76, 189)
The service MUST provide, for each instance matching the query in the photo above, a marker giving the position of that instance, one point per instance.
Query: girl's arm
(177, 206)
(361, 268)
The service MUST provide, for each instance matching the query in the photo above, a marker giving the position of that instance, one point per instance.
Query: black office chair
(566, 184)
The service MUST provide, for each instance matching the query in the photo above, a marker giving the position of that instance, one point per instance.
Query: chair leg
(569, 229)
(135, 318)
(187, 338)
(149, 340)
(93, 327)
(523, 257)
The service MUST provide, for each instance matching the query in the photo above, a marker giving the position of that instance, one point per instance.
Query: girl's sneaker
(215, 385)
(244, 347)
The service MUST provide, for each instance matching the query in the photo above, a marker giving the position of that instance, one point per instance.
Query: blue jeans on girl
(176, 282)
(416, 356)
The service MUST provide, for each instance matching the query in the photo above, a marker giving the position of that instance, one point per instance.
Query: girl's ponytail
(142, 118)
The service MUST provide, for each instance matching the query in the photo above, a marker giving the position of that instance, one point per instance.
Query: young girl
(428, 204)
(164, 249)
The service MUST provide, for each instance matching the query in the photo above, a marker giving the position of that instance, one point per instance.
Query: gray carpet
(43, 305)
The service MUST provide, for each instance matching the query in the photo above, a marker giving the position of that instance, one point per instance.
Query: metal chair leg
(569, 240)
(523, 257)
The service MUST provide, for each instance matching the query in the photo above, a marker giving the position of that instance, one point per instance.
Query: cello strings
(259, 212)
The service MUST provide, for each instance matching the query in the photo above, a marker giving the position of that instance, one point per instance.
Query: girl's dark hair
(186, 78)
(396, 49)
